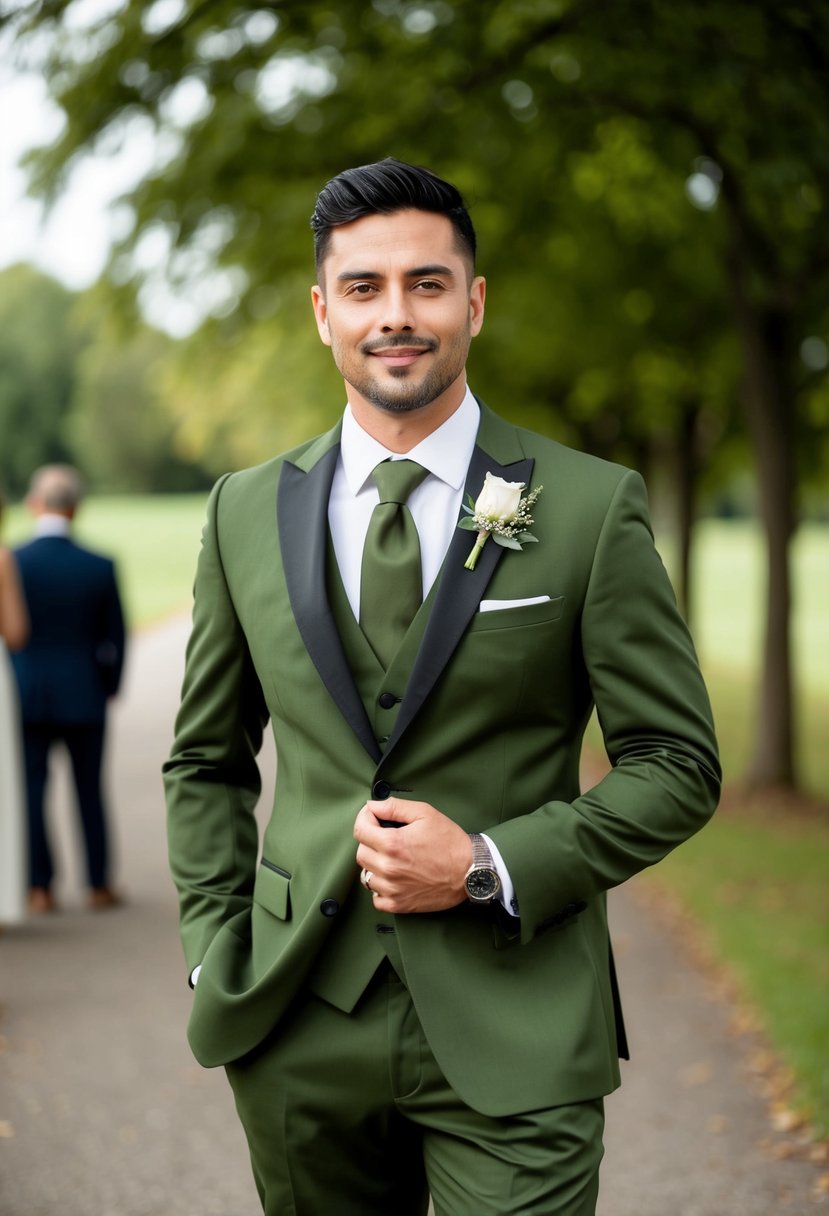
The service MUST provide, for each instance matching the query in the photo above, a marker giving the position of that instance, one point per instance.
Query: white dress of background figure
(13, 850)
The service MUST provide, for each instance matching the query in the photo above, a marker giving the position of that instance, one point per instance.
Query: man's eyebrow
(417, 272)
(347, 276)
(422, 271)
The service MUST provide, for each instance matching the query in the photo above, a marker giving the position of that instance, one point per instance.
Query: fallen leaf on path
(783, 1150)
(784, 1119)
(696, 1074)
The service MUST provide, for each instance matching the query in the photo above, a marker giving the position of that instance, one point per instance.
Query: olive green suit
(485, 723)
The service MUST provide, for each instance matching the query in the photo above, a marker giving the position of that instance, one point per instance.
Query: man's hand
(417, 867)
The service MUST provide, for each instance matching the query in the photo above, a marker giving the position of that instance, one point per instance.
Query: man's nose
(397, 315)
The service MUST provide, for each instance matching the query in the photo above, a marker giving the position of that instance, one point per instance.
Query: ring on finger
(365, 878)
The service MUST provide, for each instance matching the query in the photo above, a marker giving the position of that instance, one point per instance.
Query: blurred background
(649, 181)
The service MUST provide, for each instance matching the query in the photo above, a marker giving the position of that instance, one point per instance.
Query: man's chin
(406, 400)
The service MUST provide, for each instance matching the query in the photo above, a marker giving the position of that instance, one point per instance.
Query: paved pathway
(104, 1113)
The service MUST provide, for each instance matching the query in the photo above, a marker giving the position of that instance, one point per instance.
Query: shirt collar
(445, 453)
(52, 525)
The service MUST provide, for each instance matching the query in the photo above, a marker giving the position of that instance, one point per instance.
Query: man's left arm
(111, 634)
(656, 721)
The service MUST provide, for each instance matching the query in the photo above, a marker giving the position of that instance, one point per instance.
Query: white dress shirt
(52, 524)
(435, 506)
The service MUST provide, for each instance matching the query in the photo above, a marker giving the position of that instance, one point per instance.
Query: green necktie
(391, 583)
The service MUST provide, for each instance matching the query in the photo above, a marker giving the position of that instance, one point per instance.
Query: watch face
(482, 884)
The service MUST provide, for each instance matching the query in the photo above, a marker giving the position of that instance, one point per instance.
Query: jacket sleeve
(212, 779)
(656, 721)
(111, 644)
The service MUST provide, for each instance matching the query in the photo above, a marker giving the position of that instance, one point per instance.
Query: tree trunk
(763, 338)
(687, 469)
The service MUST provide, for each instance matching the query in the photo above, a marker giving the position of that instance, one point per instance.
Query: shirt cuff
(194, 976)
(507, 893)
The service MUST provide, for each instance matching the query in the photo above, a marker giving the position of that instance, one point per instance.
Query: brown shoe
(41, 900)
(101, 898)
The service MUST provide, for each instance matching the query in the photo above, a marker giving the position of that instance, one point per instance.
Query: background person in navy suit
(68, 670)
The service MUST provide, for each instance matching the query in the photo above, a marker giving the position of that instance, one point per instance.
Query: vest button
(380, 790)
(329, 907)
(387, 700)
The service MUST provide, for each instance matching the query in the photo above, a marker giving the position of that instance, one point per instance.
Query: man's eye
(362, 289)
(430, 285)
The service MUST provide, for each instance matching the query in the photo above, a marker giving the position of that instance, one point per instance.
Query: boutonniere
(499, 512)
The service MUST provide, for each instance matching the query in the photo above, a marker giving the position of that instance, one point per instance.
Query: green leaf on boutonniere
(506, 541)
(468, 524)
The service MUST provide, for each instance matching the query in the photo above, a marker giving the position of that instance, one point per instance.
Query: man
(433, 1008)
(66, 673)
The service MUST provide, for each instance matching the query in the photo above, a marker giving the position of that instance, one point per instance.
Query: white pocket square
(499, 605)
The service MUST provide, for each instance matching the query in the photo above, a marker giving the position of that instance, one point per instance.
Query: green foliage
(38, 349)
(239, 394)
(120, 428)
(79, 385)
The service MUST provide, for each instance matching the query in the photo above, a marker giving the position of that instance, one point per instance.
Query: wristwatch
(481, 881)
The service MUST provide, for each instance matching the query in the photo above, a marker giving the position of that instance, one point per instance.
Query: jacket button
(380, 790)
(329, 907)
(387, 700)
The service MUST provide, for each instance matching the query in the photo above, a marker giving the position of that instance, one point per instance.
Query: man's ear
(320, 313)
(477, 297)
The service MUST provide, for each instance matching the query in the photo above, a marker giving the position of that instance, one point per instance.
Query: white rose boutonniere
(500, 512)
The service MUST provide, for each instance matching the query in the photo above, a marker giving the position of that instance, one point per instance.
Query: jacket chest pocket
(521, 617)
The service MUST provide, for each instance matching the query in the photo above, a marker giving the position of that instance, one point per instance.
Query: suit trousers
(85, 744)
(349, 1114)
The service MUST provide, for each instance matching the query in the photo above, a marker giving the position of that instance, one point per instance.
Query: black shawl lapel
(302, 515)
(459, 593)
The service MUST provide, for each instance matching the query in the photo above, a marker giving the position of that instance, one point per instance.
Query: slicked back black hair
(381, 189)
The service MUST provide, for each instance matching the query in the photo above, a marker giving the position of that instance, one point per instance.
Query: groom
(412, 989)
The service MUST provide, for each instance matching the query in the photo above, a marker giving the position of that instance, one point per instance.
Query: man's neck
(400, 432)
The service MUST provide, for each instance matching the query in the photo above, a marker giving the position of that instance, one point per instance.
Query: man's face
(398, 307)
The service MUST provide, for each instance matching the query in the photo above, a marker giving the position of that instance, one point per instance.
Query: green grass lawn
(754, 879)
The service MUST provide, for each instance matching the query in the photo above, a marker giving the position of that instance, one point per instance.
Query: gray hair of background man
(56, 487)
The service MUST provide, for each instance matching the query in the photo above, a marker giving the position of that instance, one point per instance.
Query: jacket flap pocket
(272, 890)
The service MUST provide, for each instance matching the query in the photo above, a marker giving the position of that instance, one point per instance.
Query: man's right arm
(211, 778)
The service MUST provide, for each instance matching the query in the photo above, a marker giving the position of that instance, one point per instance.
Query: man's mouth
(397, 354)
(399, 358)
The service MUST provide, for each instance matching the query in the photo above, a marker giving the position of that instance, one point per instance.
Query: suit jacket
(520, 1014)
(73, 660)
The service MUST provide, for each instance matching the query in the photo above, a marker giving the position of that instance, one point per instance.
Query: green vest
(363, 936)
